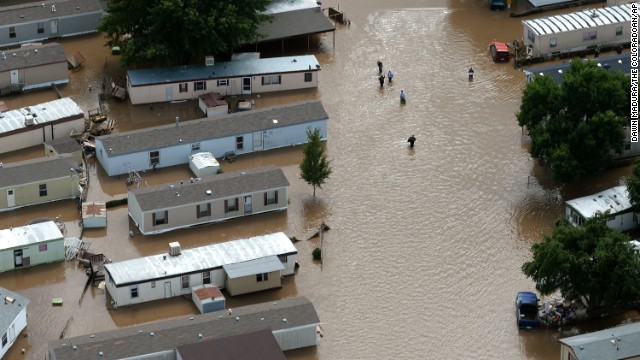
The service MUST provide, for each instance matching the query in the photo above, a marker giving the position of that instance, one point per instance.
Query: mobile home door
(54, 27)
(15, 77)
(246, 85)
(258, 140)
(11, 198)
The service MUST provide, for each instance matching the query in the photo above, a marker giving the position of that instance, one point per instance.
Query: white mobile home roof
(252, 267)
(30, 234)
(615, 200)
(9, 311)
(207, 129)
(199, 259)
(45, 112)
(223, 70)
(580, 20)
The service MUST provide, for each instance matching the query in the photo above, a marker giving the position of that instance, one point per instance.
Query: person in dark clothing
(381, 79)
(411, 140)
(380, 66)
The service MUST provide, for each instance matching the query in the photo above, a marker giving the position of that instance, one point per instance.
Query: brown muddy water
(424, 253)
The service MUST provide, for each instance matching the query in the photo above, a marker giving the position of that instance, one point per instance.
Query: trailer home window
(262, 277)
(308, 77)
(589, 35)
(206, 277)
(199, 85)
(183, 87)
(185, 282)
(134, 291)
(153, 284)
(4, 340)
(43, 189)
(271, 80)
(231, 205)
(271, 197)
(553, 42)
(223, 82)
(204, 210)
(618, 30)
(239, 142)
(42, 247)
(160, 217)
(12, 31)
(283, 258)
(154, 158)
(40, 28)
(531, 36)
(195, 146)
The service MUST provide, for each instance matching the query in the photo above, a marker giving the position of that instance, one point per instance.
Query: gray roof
(538, 3)
(29, 234)
(36, 170)
(221, 186)
(169, 334)
(621, 62)
(616, 343)
(49, 111)
(207, 129)
(12, 59)
(580, 20)
(253, 267)
(295, 23)
(223, 70)
(30, 12)
(259, 344)
(615, 200)
(64, 145)
(198, 259)
(9, 311)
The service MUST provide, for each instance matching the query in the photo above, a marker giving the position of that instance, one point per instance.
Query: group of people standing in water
(403, 95)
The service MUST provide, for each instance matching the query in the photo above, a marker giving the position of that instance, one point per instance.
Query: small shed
(212, 104)
(208, 298)
(254, 275)
(64, 145)
(30, 245)
(94, 215)
(203, 164)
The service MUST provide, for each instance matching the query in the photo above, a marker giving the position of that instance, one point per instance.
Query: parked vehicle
(499, 51)
(497, 4)
(527, 316)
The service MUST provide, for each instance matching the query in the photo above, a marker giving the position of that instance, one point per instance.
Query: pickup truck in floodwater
(527, 316)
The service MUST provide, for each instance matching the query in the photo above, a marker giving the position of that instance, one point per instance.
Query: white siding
(295, 338)
(18, 324)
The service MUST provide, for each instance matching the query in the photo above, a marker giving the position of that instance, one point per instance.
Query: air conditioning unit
(208, 61)
(29, 120)
(174, 248)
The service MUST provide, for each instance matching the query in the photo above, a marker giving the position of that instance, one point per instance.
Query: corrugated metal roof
(31, 56)
(29, 235)
(292, 23)
(40, 169)
(223, 70)
(199, 259)
(207, 129)
(9, 311)
(221, 185)
(253, 267)
(621, 62)
(203, 160)
(169, 334)
(43, 113)
(616, 343)
(615, 200)
(584, 19)
(30, 12)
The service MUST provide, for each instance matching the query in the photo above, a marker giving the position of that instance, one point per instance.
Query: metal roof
(36, 170)
(203, 160)
(292, 23)
(621, 62)
(615, 200)
(616, 343)
(169, 334)
(29, 235)
(30, 12)
(31, 56)
(207, 129)
(253, 267)
(584, 19)
(221, 185)
(10, 310)
(259, 344)
(42, 113)
(64, 145)
(223, 70)
(199, 259)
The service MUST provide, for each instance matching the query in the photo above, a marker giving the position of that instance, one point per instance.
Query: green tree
(173, 32)
(633, 184)
(576, 126)
(591, 264)
(314, 168)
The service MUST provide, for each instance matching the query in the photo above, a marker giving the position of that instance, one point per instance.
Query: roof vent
(209, 60)
(53, 8)
(75, 348)
(243, 173)
(174, 248)
(9, 299)
(199, 336)
(152, 334)
(284, 320)
(208, 192)
(237, 318)
(100, 354)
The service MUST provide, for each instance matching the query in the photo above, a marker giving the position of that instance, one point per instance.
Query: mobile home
(175, 273)
(239, 133)
(32, 67)
(620, 342)
(13, 318)
(240, 77)
(30, 245)
(582, 30)
(166, 207)
(615, 200)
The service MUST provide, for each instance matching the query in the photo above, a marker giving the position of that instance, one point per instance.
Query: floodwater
(424, 253)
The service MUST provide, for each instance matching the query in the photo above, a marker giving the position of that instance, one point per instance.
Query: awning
(253, 267)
